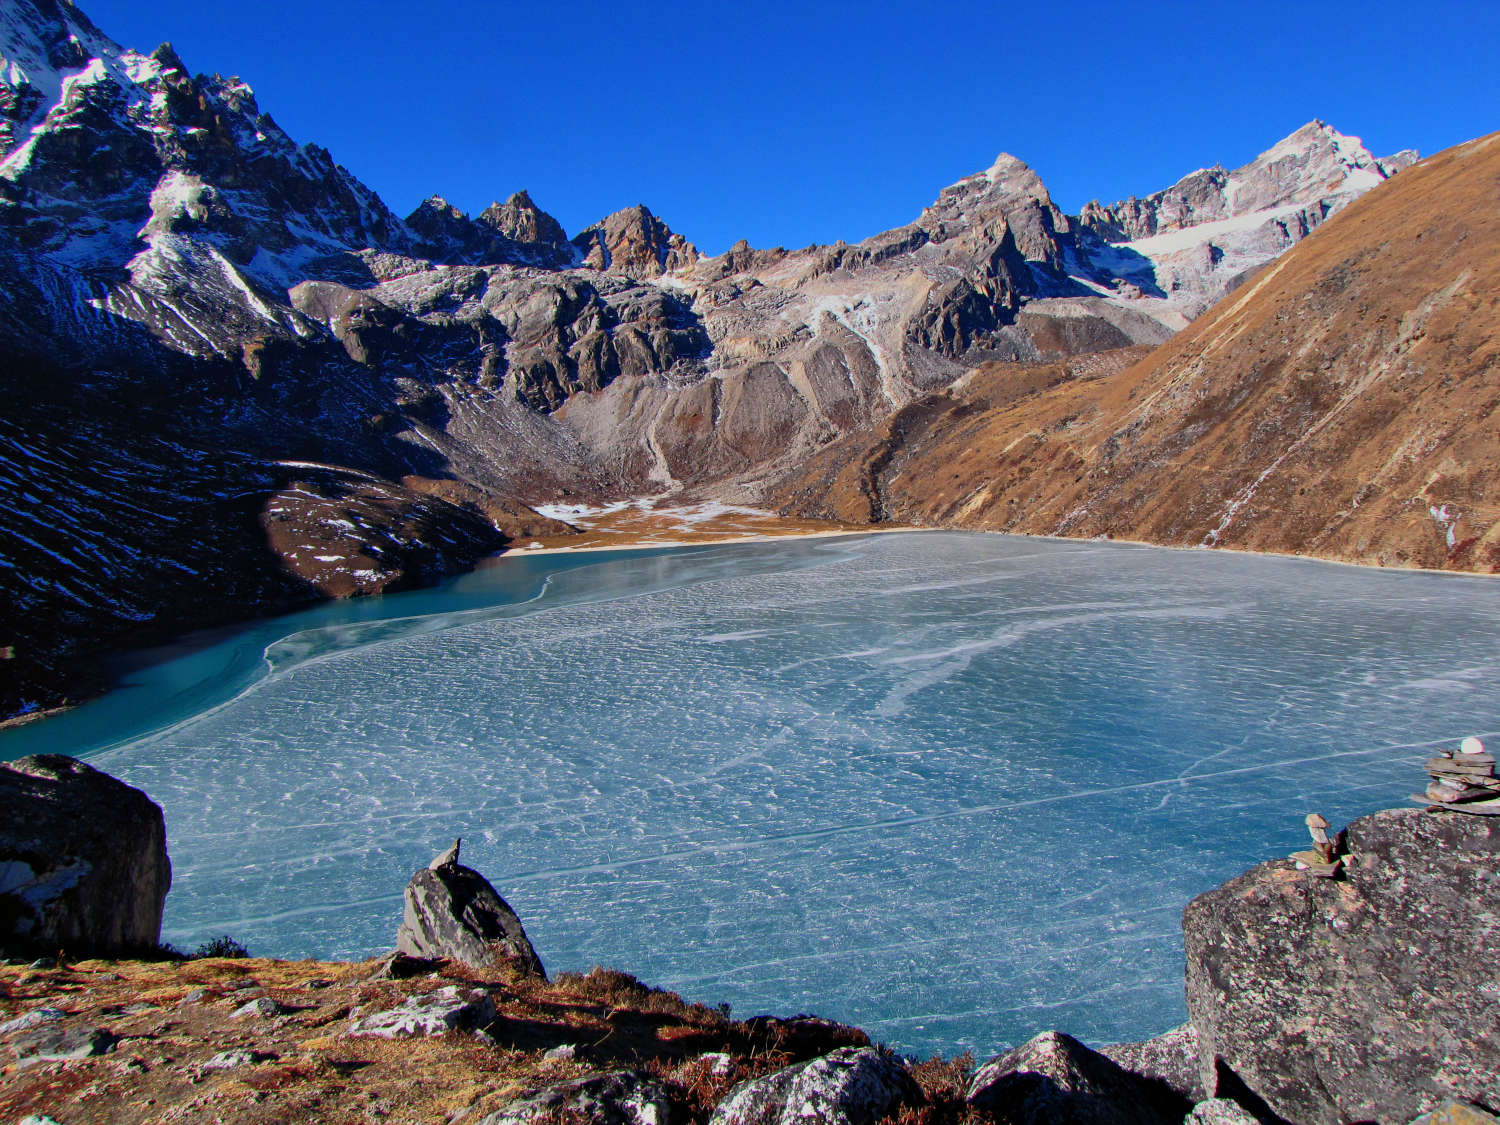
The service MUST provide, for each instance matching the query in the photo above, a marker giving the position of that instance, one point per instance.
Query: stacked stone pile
(1464, 779)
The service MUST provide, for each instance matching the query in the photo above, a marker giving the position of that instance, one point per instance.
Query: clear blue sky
(790, 123)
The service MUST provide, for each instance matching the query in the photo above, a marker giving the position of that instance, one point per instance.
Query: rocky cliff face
(1339, 404)
(83, 861)
(1205, 233)
(176, 273)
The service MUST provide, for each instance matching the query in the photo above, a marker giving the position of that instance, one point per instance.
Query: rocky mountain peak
(1006, 197)
(166, 57)
(42, 43)
(521, 219)
(112, 158)
(634, 242)
(1313, 163)
(515, 232)
(1307, 164)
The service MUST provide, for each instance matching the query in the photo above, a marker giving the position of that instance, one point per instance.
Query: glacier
(954, 788)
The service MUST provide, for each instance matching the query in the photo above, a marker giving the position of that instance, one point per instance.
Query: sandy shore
(643, 525)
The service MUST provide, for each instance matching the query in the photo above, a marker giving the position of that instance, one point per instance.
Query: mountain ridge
(1340, 404)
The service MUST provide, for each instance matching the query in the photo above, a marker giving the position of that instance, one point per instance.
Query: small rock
(620, 1097)
(562, 1053)
(719, 1064)
(851, 1086)
(1221, 1111)
(318, 983)
(228, 1060)
(62, 1044)
(241, 984)
(445, 1010)
(39, 1119)
(34, 1018)
(401, 966)
(260, 1006)
(196, 996)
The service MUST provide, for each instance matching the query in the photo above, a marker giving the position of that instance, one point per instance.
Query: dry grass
(172, 1017)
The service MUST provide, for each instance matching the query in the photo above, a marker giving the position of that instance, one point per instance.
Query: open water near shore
(954, 788)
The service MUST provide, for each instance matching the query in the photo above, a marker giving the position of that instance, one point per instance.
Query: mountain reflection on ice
(954, 788)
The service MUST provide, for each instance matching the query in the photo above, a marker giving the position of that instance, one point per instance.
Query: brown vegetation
(173, 1017)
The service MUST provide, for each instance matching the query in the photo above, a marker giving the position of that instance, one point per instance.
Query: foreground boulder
(83, 861)
(620, 1097)
(1171, 1057)
(851, 1086)
(452, 912)
(1373, 998)
(1055, 1079)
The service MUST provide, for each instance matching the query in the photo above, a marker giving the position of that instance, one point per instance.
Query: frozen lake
(953, 788)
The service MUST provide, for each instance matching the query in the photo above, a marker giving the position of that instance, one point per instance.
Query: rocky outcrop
(452, 912)
(851, 1086)
(516, 232)
(1295, 171)
(1171, 1058)
(1367, 999)
(1221, 1111)
(1054, 1079)
(634, 242)
(83, 861)
(620, 1097)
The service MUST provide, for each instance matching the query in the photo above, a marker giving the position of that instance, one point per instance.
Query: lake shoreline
(92, 685)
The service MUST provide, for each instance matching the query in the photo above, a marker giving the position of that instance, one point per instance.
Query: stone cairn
(1322, 859)
(1463, 781)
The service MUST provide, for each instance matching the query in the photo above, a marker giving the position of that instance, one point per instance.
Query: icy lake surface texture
(954, 788)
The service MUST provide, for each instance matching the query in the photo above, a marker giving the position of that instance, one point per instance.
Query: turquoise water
(955, 788)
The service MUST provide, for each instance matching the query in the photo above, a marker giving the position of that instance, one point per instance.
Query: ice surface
(955, 788)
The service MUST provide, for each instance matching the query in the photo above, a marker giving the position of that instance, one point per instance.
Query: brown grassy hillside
(1342, 403)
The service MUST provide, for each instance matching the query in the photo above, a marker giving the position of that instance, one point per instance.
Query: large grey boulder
(83, 861)
(1053, 1079)
(452, 912)
(850, 1086)
(1374, 998)
(620, 1097)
